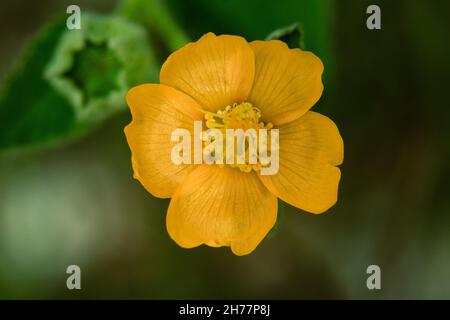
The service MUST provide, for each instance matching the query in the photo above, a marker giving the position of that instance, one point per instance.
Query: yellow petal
(157, 110)
(287, 81)
(310, 148)
(216, 70)
(221, 207)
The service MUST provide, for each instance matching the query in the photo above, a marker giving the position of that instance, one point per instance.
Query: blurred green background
(387, 91)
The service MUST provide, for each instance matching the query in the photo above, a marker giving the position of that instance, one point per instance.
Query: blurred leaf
(27, 105)
(155, 15)
(291, 35)
(254, 19)
(70, 81)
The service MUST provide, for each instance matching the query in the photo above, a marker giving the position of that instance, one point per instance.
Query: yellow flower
(221, 205)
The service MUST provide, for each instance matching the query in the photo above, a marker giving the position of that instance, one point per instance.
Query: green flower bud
(93, 67)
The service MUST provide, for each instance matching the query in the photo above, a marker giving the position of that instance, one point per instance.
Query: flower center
(252, 146)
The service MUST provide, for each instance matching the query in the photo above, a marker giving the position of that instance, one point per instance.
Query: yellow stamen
(239, 116)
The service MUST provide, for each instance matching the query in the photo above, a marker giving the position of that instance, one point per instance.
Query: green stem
(155, 15)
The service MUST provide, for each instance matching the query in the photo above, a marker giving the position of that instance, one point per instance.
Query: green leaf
(254, 19)
(292, 35)
(155, 15)
(27, 104)
(70, 81)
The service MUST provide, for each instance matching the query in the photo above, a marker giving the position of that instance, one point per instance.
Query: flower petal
(310, 148)
(216, 70)
(157, 110)
(221, 207)
(287, 81)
